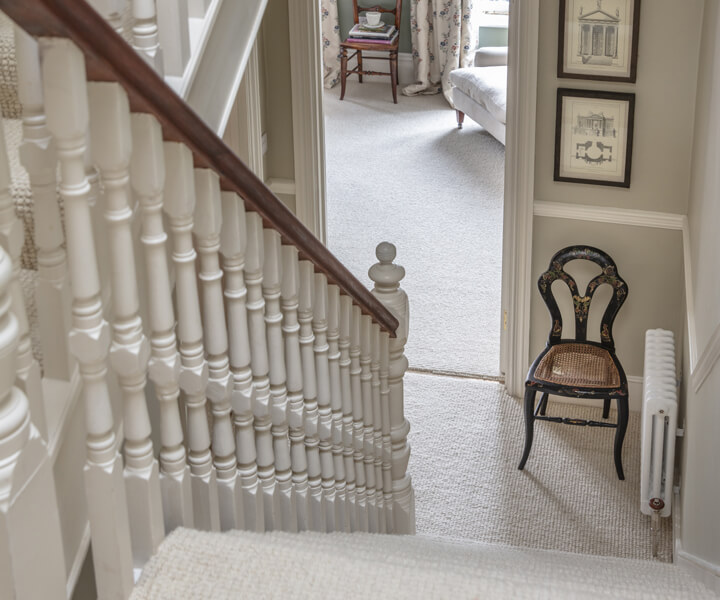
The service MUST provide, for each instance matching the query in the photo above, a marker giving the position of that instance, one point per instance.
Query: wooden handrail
(109, 58)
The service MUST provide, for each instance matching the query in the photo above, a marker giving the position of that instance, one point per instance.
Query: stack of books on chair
(380, 34)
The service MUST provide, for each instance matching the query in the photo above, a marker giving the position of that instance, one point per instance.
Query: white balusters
(208, 221)
(37, 155)
(293, 363)
(179, 206)
(377, 425)
(361, 510)
(145, 37)
(67, 114)
(30, 537)
(387, 484)
(325, 418)
(259, 363)
(130, 350)
(272, 276)
(347, 410)
(233, 245)
(368, 449)
(116, 13)
(342, 523)
(174, 33)
(312, 418)
(147, 169)
(387, 276)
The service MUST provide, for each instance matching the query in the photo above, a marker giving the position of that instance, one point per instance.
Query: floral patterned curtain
(330, 42)
(444, 37)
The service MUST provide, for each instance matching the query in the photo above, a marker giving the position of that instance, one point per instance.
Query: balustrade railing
(271, 377)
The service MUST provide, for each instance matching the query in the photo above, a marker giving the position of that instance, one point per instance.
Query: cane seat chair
(359, 47)
(577, 367)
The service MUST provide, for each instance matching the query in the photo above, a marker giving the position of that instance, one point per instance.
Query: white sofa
(480, 92)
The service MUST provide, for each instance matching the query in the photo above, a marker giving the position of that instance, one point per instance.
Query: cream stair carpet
(195, 565)
(405, 174)
(466, 439)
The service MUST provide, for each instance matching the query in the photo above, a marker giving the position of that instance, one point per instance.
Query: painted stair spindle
(347, 410)
(368, 450)
(254, 261)
(325, 417)
(233, 243)
(387, 276)
(174, 35)
(386, 440)
(67, 114)
(130, 351)
(208, 223)
(272, 278)
(180, 206)
(145, 39)
(29, 379)
(147, 175)
(377, 427)
(361, 507)
(293, 364)
(28, 503)
(342, 523)
(38, 156)
(312, 417)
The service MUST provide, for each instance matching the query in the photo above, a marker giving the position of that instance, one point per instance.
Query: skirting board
(406, 70)
(635, 394)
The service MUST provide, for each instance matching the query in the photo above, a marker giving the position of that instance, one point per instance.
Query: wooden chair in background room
(360, 47)
(577, 367)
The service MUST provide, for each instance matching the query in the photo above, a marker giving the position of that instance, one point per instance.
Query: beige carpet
(466, 440)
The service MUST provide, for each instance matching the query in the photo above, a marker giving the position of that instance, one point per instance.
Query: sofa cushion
(486, 85)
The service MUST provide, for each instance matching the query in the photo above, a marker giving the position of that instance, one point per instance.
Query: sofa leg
(460, 118)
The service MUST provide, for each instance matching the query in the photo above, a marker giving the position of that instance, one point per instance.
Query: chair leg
(529, 424)
(460, 118)
(606, 408)
(622, 406)
(360, 67)
(543, 403)
(397, 70)
(393, 75)
(343, 72)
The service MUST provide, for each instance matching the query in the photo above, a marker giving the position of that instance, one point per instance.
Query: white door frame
(519, 192)
(309, 140)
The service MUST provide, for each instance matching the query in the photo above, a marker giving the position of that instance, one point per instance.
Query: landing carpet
(405, 174)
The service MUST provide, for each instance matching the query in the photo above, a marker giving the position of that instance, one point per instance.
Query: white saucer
(378, 26)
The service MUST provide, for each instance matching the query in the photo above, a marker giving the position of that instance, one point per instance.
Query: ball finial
(385, 252)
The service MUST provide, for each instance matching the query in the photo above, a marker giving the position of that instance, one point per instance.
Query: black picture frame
(595, 36)
(594, 137)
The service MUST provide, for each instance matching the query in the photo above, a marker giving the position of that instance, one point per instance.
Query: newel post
(387, 277)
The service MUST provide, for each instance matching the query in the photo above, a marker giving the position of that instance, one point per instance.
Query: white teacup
(373, 18)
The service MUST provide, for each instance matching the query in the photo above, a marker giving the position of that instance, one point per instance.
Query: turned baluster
(208, 221)
(387, 483)
(145, 39)
(272, 277)
(67, 114)
(116, 13)
(361, 507)
(29, 520)
(312, 417)
(333, 336)
(38, 156)
(347, 410)
(368, 449)
(377, 428)
(130, 350)
(11, 240)
(325, 422)
(233, 242)
(387, 276)
(180, 206)
(254, 260)
(174, 35)
(293, 363)
(147, 175)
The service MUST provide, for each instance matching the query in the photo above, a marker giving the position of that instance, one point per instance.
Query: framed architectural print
(593, 137)
(598, 39)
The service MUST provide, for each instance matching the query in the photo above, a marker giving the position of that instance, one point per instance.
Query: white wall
(700, 531)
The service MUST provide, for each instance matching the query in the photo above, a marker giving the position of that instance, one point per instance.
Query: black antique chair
(577, 367)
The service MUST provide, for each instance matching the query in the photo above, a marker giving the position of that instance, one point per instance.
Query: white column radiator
(659, 422)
